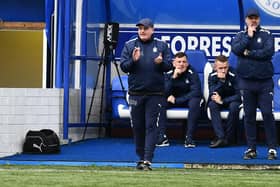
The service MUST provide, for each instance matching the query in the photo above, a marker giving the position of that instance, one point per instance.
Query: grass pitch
(55, 176)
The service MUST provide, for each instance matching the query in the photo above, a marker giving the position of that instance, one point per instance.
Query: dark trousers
(224, 131)
(162, 121)
(194, 113)
(145, 112)
(258, 94)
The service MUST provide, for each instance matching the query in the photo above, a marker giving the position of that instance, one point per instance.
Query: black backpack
(43, 141)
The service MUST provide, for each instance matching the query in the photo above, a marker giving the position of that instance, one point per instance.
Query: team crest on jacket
(154, 49)
(187, 81)
(259, 40)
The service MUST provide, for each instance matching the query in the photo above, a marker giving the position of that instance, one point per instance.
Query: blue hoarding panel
(213, 41)
(96, 11)
(22, 10)
(176, 12)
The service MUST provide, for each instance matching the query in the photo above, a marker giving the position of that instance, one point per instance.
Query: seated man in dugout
(182, 89)
(223, 94)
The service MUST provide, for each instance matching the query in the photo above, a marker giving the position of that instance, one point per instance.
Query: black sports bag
(43, 141)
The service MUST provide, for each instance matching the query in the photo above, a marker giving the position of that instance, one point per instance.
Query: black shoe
(272, 154)
(140, 165)
(250, 154)
(189, 143)
(147, 166)
(218, 143)
(163, 142)
(214, 141)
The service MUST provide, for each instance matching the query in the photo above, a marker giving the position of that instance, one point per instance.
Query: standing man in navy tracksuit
(183, 89)
(255, 48)
(223, 93)
(145, 59)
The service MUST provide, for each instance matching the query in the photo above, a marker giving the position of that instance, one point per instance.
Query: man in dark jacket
(223, 93)
(183, 89)
(255, 48)
(145, 59)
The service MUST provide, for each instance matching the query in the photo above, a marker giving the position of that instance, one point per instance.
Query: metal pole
(60, 42)
(66, 68)
(83, 61)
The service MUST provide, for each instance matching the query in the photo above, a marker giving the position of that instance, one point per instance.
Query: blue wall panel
(165, 12)
(22, 10)
(176, 12)
(96, 11)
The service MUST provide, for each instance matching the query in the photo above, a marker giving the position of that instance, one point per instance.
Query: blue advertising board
(184, 25)
(213, 41)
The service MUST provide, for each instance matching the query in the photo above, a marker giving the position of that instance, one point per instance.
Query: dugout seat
(232, 60)
(119, 103)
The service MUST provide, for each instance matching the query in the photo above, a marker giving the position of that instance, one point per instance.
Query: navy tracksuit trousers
(145, 113)
(194, 113)
(258, 94)
(227, 130)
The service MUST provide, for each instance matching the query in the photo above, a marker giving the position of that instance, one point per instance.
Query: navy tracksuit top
(257, 64)
(227, 89)
(144, 76)
(184, 87)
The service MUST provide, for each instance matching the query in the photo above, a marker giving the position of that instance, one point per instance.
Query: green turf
(53, 176)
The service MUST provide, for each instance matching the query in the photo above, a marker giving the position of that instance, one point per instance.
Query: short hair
(180, 55)
(221, 58)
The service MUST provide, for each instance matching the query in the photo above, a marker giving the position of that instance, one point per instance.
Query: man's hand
(251, 30)
(246, 52)
(216, 98)
(176, 73)
(136, 54)
(171, 99)
(159, 59)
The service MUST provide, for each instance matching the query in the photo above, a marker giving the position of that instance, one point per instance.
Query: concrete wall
(23, 109)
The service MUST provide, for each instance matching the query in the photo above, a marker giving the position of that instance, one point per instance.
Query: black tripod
(106, 57)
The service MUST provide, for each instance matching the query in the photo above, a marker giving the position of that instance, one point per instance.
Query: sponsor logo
(271, 7)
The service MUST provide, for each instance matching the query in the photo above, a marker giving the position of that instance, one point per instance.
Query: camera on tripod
(110, 41)
(111, 34)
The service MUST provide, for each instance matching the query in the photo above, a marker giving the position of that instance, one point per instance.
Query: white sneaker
(272, 154)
